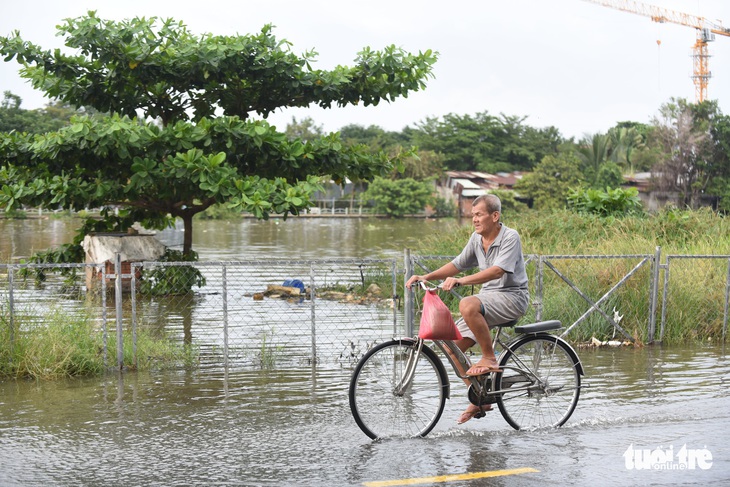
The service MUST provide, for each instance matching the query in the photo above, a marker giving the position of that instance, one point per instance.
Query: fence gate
(683, 316)
(617, 290)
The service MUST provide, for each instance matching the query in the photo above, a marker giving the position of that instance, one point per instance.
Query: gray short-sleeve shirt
(505, 252)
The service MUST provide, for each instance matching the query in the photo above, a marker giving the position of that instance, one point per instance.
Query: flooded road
(293, 427)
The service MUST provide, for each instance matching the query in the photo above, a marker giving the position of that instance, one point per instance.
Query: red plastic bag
(436, 320)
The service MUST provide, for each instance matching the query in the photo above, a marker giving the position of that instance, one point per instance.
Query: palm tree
(594, 152)
(623, 141)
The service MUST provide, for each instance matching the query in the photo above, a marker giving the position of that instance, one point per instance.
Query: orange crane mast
(706, 31)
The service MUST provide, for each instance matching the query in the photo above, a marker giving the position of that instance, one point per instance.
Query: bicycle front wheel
(540, 382)
(393, 396)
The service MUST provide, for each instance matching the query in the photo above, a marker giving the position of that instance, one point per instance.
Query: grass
(567, 233)
(268, 352)
(71, 346)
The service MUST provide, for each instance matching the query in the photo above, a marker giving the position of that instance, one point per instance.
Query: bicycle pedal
(480, 414)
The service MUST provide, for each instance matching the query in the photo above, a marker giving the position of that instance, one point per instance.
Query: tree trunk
(187, 218)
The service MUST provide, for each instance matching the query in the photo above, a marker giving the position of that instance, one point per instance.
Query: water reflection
(245, 239)
(647, 373)
(311, 238)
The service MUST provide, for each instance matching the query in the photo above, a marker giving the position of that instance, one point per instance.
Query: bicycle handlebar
(434, 288)
(427, 288)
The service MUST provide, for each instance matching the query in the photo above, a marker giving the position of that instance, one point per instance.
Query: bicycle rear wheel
(540, 382)
(385, 403)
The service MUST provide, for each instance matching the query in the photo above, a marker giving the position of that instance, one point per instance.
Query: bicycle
(400, 387)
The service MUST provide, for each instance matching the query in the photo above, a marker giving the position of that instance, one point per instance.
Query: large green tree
(720, 183)
(374, 137)
(552, 180)
(485, 142)
(397, 198)
(465, 141)
(194, 144)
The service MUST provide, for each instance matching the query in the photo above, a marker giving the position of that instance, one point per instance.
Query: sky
(571, 64)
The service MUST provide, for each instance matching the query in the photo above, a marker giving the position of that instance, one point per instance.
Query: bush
(172, 280)
(444, 208)
(609, 176)
(612, 202)
(61, 347)
(398, 198)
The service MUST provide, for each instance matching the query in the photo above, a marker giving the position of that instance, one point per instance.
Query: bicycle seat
(539, 326)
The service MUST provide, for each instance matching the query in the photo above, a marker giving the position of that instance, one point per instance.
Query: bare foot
(471, 412)
(484, 366)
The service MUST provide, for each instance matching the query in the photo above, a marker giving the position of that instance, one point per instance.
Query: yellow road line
(450, 478)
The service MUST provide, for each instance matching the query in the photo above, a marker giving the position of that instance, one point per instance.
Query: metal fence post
(538, 289)
(665, 293)
(408, 294)
(654, 290)
(11, 304)
(313, 308)
(394, 271)
(727, 299)
(225, 315)
(118, 299)
(133, 290)
(104, 324)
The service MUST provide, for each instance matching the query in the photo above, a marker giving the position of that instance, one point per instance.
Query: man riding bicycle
(497, 251)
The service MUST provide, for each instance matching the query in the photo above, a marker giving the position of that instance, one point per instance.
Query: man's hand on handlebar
(450, 283)
(413, 280)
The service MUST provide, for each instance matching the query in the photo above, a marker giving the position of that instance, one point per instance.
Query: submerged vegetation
(72, 346)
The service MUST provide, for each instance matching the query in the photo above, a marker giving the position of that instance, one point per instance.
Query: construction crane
(706, 31)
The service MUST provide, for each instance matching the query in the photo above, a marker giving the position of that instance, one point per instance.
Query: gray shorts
(498, 308)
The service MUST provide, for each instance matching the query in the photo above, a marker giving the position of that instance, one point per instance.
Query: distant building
(654, 200)
(336, 196)
(463, 187)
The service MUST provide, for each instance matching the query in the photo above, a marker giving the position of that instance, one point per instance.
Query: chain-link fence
(279, 313)
(696, 293)
(234, 313)
(260, 312)
(612, 297)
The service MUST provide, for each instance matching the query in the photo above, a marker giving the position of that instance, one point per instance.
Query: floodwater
(293, 427)
(650, 416)
(224, 240)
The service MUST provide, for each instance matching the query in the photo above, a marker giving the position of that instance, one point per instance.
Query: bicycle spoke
(388, 399)
(545, 391)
